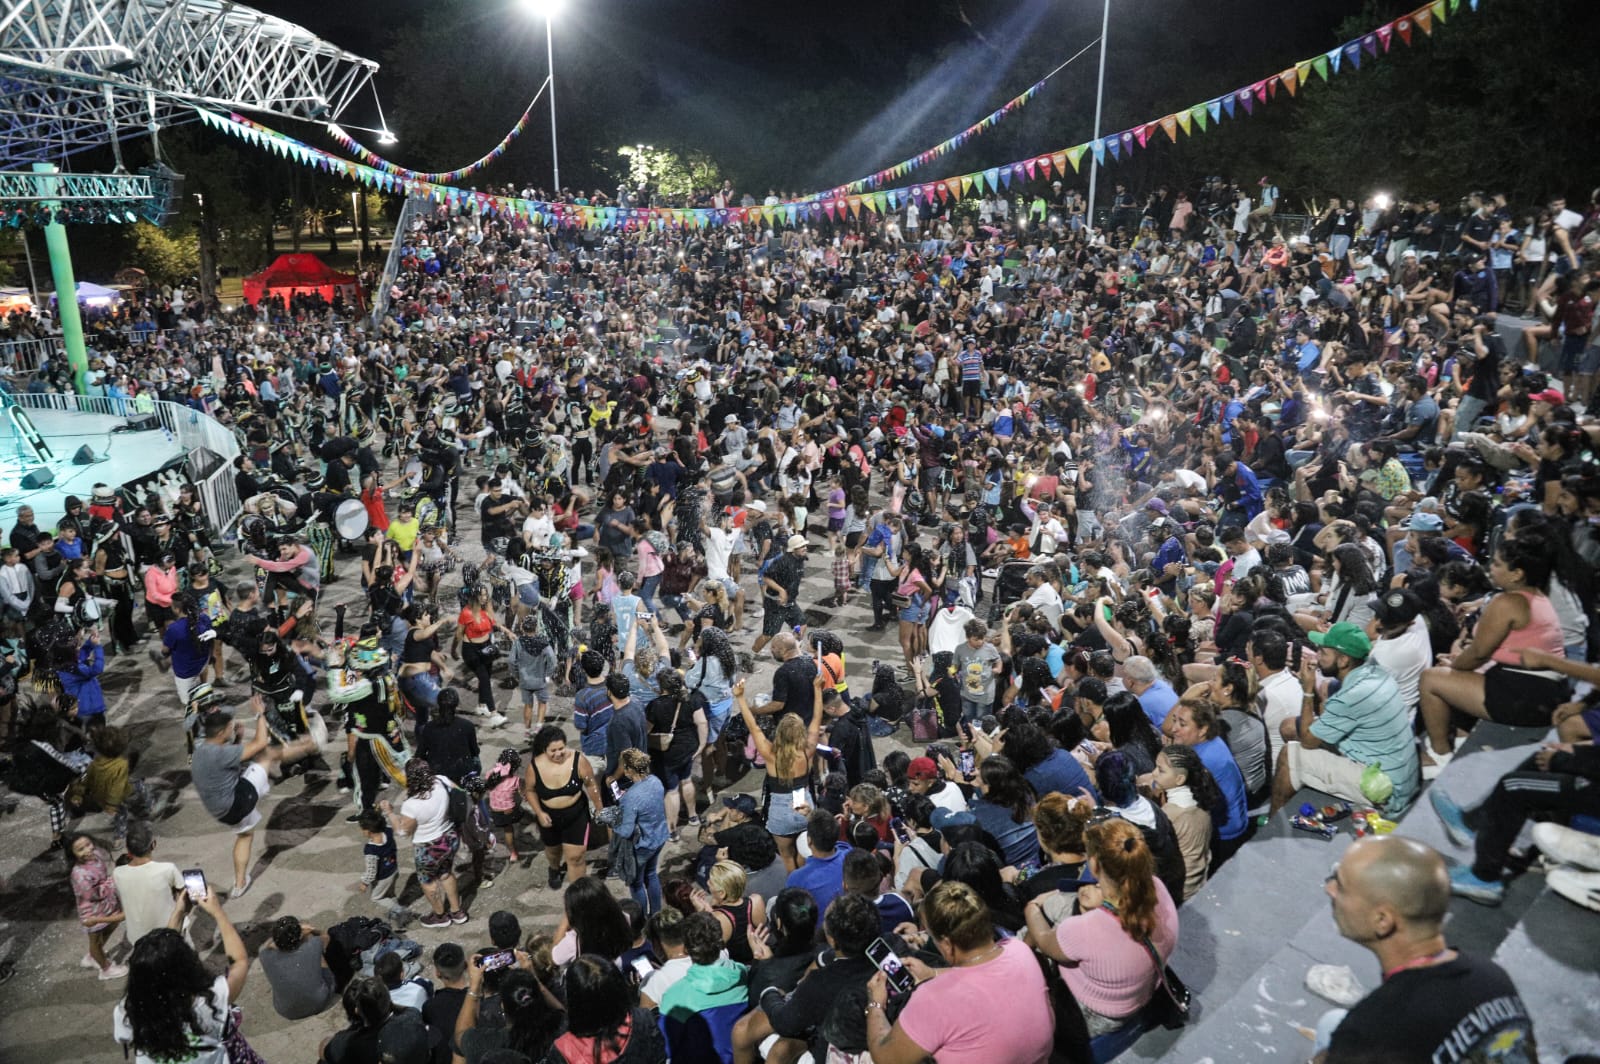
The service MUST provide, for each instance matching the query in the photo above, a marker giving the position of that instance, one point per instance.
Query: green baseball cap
(1344, 637)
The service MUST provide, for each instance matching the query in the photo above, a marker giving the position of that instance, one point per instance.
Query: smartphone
(826, 751)
(799, 797)
(194, 881)
(966, 764)
(493, 962)
(616, 790)
(900, 980)
(899, 828)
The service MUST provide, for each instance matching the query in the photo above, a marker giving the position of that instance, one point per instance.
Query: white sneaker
(115, 971)
(1431, 772)
(1580, 888)
(89, 963)
(1335, 982)
(492, 720)
(1568, 846)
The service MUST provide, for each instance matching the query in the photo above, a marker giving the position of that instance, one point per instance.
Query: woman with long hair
(914, 591)
(475, 628)
(1129, 731)
(604, 1026)
(788, 781)
(712, 676)
(533, 1017)
(175, 1010)
(561, 788)
(1112, 953)
(425, 816)
(1350, 587)
(979, 867)
(1004, 808)
(1193, 802)
(591, 922)
(675, 715)
(1520, 618)
(786, 946)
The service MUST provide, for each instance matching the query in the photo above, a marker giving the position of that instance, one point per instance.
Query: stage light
(386, 138)
(545, 9)
(1381, 201)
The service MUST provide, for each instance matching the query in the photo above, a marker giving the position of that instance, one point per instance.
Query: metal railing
(191, 429)
(26, 356)
(409, 212)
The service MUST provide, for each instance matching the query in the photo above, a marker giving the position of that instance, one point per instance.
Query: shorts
(528, 594)
(852, 540)
(185, 684)
(568, 826)
(972, 389)
(436, 859)
(243, 815)
(1324, 770)
(1572, 351)
(835, 524)
(536, 696)
(1522, 699)
(777, 618)
(915, 614)
(671, 773)
(507, 818)
(717, 719)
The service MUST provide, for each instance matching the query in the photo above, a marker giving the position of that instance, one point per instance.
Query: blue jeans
(647, 591)
(677, 605)
(422, 690)
(646, 886)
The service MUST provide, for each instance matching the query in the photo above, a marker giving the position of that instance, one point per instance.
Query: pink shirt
(1542, 632)
(1115, 975)
(952, 1016)
(160, 585)
(650, 563)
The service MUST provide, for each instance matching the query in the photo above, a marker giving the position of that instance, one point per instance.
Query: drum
(350, 519)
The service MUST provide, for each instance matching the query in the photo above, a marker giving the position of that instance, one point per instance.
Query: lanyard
(1419, 962)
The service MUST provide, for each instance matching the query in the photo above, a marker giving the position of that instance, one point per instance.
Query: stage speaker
(142, 423)
(39, 478)
(85, 456)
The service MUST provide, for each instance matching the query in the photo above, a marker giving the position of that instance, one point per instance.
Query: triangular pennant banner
(1353, 51)
(1099, 149)
(1227, 105)
(1290, 79)
(1060, 159)
(1424, 19)
(1438, 10)
(1115, 147)
(1198, 112)
(1320, 65)
(1249, 102)
(1386, 35)
(1183, 119)
(1141, 135)
(1169, 126)
(1370, 44)
(1074, 155)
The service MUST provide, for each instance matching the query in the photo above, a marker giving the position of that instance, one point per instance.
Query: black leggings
(582, 457)
(1518, 797)
(473, 657)
(883, 609)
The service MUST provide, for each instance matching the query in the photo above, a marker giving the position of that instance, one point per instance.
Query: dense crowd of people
(1173, 519)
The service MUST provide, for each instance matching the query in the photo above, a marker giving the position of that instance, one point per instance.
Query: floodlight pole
(67, 313)
(1099, 98)
(550, 57)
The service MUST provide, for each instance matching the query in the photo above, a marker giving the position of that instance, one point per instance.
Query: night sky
(802, 95)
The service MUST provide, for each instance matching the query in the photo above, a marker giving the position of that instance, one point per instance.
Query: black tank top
(571, 789)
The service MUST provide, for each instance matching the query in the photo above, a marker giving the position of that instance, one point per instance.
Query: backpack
(458, 806)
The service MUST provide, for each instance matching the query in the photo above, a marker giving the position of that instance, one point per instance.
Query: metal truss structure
(73, 188)
(78, 74)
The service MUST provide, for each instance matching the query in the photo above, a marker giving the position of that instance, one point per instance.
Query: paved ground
(307, 859)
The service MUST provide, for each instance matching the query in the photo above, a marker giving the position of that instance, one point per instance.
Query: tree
(671, 174)
(166, 256)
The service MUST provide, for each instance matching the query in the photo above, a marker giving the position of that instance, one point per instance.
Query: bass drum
(350, 520)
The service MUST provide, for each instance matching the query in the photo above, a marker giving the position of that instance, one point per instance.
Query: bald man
(792, 690)
(1391, 894)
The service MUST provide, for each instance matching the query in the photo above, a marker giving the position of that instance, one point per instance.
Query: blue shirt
(1157, 702)
(591, 715)
(824, 878)
(1216, 757)
(644, 811)
(1019, 842)
(1060, 773)
(189, 655)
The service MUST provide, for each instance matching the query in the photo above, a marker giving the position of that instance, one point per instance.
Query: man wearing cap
(1364, 725)
(734, 831)
(923, 777)
(780, 587)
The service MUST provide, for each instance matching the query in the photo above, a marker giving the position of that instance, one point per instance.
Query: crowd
(1172, 521)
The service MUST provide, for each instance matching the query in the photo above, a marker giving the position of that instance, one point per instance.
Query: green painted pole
(71, 318)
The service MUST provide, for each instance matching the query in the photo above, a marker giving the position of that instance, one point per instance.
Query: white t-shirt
(664, 977)
(431, 812)
(538, 530)
(909, 860)
(947, 629)
(1047, 600)
(719, 548)
(1278, 698)
(212, 1021)
(146, 891)
(1404, 658)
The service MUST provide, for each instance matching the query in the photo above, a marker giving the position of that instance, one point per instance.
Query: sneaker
(1440, 761)
(242, 889)
(459, 917)
(1463, 884)
(1580, 888)
(1335, 982)
(555, 878)
(88, 962)
(1568, 846)
(492, 720)
(435, 920)
(113, 971)
(1452, 816)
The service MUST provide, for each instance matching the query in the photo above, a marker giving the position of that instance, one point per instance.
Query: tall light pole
(547, 10)
(1099, 98)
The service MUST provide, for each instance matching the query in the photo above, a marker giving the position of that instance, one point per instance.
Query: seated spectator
(922, 777)
(665, 931)
(603, 1024)
(1391, 894)
(1190, 799)
(1113, 952)
(736, 912)
(1047, 768)
(296, 968)
(1059, 819)
(953, 1017)
(404, 993)
(532, 1015)
(591, 922)
(978, 865)
(823, 873)
(699, 1010)
(733, 831)
(863, 874)
(786, 948)
(449, 992)
(1194, 723)
(378, 1031)
(1120, 789)
(917, 850)
(825, 1013)
(1004, 808)
(1364, 723)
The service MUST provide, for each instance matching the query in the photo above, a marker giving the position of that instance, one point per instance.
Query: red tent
(295, 274)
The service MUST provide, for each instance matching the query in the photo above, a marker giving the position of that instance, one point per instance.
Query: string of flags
(447, 177)
(804, 211)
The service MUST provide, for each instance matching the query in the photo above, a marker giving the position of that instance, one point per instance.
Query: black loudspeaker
(39, 478)
(142, 423)
(85, 456)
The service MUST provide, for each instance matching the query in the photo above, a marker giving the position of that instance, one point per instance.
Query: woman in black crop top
(560, 787)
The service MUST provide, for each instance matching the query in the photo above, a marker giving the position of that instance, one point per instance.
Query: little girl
(836, 514)
(99, 907)
(605, 576)
(503, 784)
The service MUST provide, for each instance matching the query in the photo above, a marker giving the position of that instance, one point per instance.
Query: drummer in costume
(110, 557)
(359, 679)
(211, 600)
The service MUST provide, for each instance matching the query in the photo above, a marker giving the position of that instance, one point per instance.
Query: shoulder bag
(661, 741)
